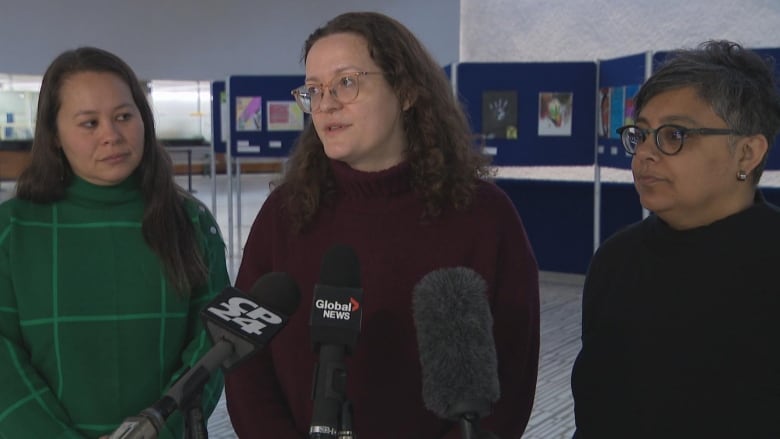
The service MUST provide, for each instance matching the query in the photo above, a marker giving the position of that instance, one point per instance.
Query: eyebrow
(91, 112)
(671, 119)
(339, 71)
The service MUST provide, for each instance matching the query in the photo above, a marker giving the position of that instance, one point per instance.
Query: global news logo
(337, 310)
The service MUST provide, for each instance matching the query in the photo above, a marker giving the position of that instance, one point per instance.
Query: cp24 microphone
(239, 326)
(457, 351)
(335, 325)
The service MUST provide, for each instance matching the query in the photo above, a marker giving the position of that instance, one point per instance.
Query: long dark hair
(167, 228)
(444, 161)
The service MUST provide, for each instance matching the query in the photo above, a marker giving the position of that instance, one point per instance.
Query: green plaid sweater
(91, 332)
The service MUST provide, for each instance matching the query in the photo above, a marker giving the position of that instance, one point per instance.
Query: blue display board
(218, 93)
(773, 162)
(619, 80)
(265, 121)
(532, 113)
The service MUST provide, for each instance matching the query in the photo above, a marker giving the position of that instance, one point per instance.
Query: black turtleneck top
(681, 331)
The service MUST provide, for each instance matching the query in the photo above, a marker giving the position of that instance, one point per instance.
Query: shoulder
(489, 197)
(624, 240)
(769, 211)
(18, 211)
(202, 218)
(22, 209)
(275, 204)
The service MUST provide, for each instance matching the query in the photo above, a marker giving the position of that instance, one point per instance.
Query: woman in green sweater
(105, 262)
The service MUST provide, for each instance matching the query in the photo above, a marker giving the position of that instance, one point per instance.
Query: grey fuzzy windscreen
(455, 339)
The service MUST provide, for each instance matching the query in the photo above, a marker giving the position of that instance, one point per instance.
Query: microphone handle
(329, 392)
(194, 421)
(467, 428)
(345, 429)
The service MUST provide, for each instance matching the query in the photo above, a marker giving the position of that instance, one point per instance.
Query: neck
(716, 211)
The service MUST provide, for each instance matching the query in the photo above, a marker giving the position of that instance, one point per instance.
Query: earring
(741, 175)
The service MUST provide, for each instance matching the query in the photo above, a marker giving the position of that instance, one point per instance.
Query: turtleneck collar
(731, 226)
(83, 192)
(358, 184)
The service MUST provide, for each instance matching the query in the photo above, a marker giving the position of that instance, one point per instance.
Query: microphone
(457, 351)
(239, 325)
(336, 315)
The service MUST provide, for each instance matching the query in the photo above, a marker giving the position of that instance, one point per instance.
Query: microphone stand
(467, 429)
(194, 421)
(345, 426)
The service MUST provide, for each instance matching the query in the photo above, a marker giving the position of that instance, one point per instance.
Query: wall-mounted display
(284, 116)
(499, 114)
(249, 113)
(555, 109)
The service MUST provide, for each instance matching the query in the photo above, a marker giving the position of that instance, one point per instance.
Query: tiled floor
(552, 417)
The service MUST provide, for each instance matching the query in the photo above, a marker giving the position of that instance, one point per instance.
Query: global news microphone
(385, 165)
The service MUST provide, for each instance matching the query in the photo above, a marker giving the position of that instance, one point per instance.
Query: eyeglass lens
(343, 88)
(668, 138)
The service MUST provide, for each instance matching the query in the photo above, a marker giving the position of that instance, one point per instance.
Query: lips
(335, 127)
(115, 157)
(648, 179)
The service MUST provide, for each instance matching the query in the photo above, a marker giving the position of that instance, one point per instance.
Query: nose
(647, 149)
(110, 133)
(329, 102)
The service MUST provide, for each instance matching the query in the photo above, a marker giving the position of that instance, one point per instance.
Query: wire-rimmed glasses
(669, 138)
(343, 88)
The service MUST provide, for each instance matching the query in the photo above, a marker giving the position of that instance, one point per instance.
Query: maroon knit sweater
(379, 216)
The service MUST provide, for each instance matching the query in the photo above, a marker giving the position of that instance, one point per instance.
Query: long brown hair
(445, 164)
(166, 227)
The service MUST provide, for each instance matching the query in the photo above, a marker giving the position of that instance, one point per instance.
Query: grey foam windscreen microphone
(455, 339)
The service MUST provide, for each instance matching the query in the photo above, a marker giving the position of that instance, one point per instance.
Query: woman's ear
(409, 101)
(751, 151)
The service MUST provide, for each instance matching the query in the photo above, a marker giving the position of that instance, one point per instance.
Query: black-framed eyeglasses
(343, 88)
(669, 138)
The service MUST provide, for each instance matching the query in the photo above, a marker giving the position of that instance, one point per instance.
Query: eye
(92, 123)
(311, 90)
(635, 135)
(124, 117)
(347, 81)
(673, 133)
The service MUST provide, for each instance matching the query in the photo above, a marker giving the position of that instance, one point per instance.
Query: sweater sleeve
(213, 249)
(254, 398)
(28, 406)
(515, 309)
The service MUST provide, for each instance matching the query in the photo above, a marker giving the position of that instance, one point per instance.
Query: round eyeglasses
(343, 88)
(669, 138)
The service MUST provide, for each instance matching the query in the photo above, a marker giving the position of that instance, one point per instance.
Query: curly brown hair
(444, 161)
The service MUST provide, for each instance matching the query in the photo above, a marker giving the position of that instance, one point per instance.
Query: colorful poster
(284, 116)
(616, 103)
(224, 116)
(604, 112)
(628, 111)
(555, 109)
(249, 113)
(499, 114)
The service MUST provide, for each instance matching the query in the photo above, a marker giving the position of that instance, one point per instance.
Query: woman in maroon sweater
(385, 166)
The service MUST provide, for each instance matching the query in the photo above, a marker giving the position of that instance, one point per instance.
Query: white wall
(583, 30)
(200, 39)
(210, 39)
